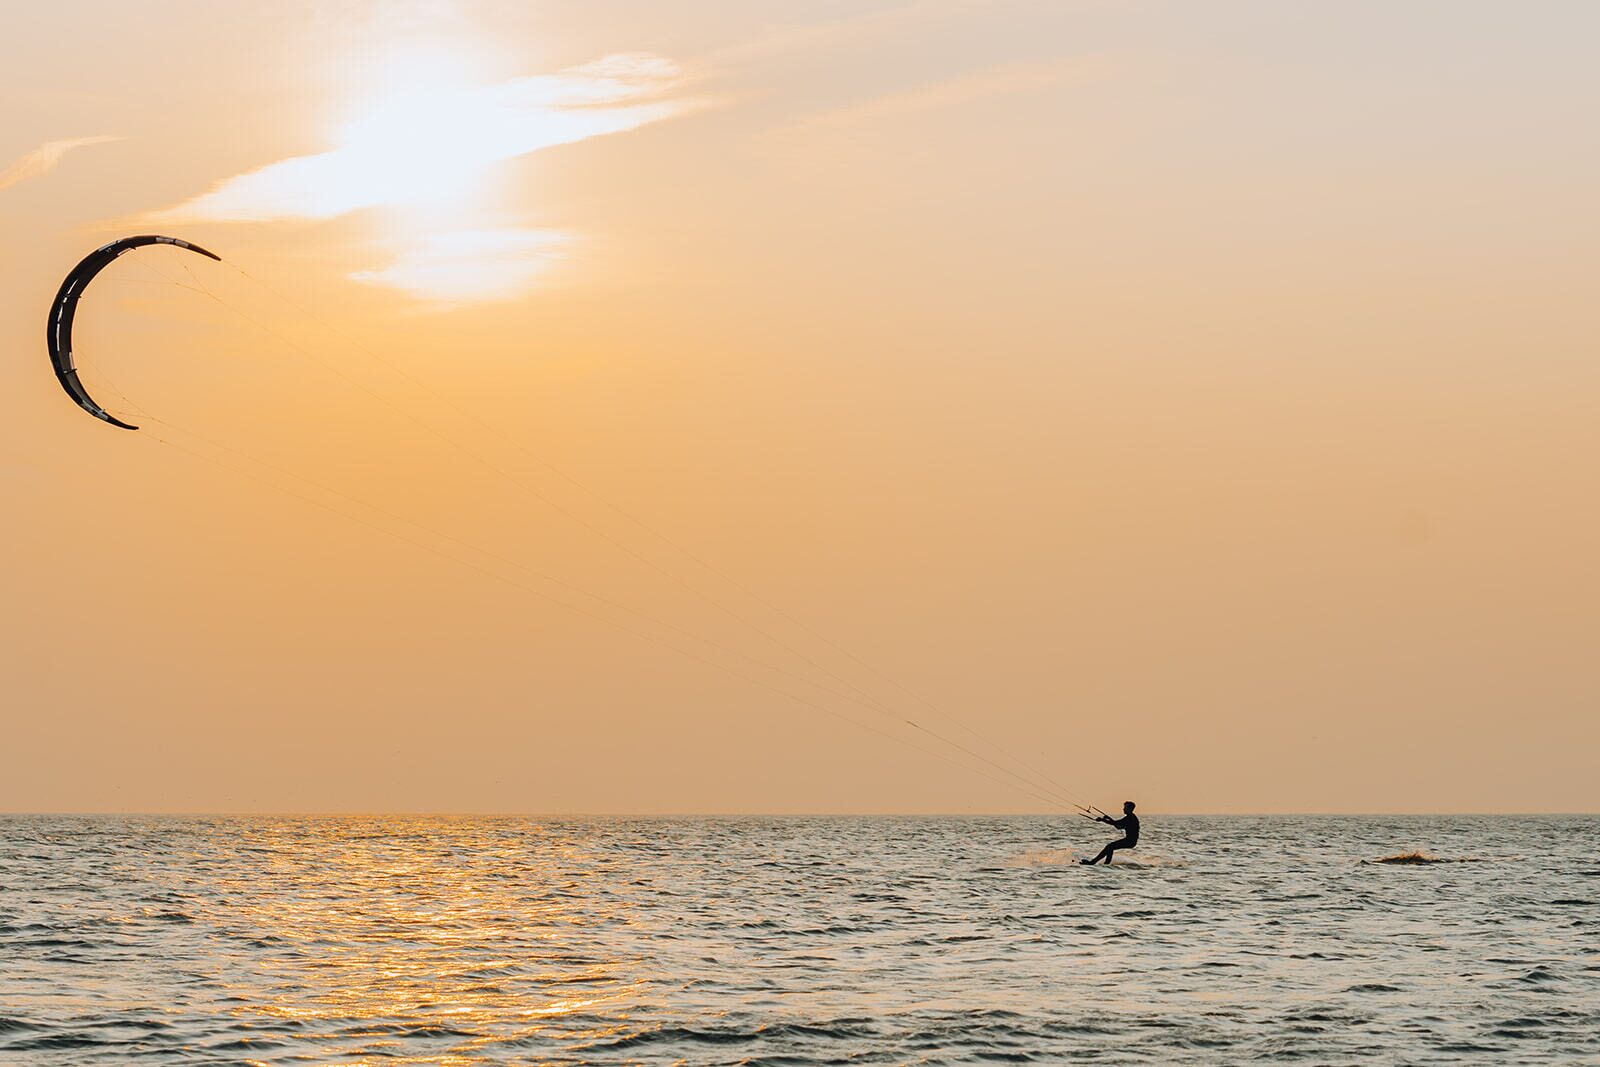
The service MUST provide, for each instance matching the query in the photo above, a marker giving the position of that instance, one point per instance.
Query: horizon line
(464, 814)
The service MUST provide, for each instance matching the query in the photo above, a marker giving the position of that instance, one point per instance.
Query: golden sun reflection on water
(421, 943)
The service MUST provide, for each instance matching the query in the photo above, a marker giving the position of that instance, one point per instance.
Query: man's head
(1127, 807)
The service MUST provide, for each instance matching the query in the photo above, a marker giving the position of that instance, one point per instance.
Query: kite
(65, 307)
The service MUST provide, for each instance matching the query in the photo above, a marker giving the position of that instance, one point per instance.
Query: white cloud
(430, 144)
(426, 148)
(43, 160)
(469, 266)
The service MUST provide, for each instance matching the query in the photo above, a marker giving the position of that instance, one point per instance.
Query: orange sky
(1194, 402)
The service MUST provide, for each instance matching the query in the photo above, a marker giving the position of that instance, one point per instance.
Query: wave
(1064, 857)
(1148, 862)
(1404, 859)
(1044, 857)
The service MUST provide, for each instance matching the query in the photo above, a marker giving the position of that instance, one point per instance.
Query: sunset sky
(627, 407)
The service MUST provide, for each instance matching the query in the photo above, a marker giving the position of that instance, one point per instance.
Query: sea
(797, 941)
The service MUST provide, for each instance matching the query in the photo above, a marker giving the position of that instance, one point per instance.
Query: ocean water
(796, 941)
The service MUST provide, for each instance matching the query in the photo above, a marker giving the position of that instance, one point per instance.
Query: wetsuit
(1129, 825)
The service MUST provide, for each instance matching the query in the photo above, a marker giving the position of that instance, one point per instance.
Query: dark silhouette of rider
(1128, 824)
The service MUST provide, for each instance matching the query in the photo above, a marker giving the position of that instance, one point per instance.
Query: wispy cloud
(469, 266)
(431, 143)
(1004, 80)
(43, 160)
(855, 29)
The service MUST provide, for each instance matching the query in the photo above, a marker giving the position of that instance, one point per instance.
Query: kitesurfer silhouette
(1128, 824)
